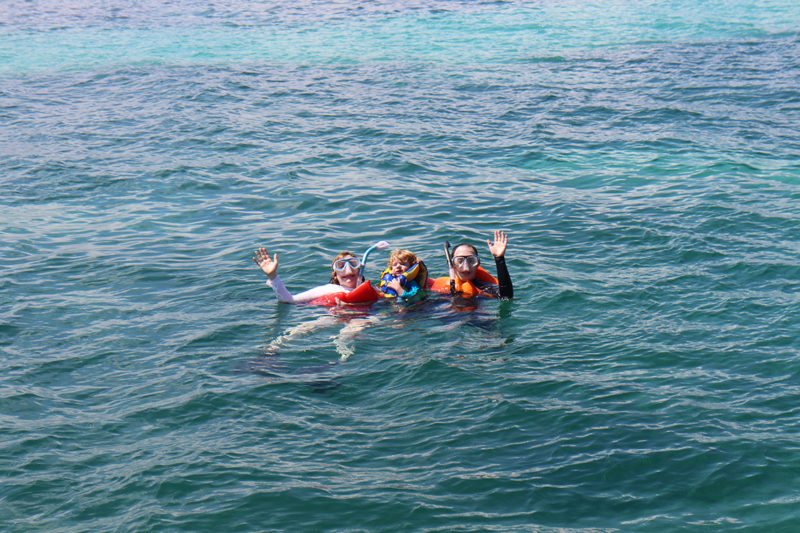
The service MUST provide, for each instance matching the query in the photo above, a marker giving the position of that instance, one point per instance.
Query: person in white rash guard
(344, 278)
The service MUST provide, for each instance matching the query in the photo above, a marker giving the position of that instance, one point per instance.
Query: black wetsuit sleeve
(505, 289)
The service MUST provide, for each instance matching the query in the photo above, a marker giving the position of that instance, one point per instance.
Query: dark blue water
(643, 158)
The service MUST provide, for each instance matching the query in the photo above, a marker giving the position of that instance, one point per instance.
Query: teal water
(642, 156)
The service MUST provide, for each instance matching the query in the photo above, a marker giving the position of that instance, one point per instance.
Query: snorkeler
(346, 278)
(468, 279)
(405, 277)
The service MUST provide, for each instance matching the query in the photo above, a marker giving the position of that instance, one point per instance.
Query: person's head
(465, 261)
(345, 268)
(400, 261)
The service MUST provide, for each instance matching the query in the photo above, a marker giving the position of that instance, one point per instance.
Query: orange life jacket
(465, 289)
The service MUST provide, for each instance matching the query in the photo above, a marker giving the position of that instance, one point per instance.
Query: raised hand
(498, 247)
(267, 264)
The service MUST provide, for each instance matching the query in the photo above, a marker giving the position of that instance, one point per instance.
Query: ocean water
(643, 157)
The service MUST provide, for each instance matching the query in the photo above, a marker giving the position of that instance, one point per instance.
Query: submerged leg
(344, 340)
(297, 331)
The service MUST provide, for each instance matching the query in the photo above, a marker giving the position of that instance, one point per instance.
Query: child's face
(399, 267)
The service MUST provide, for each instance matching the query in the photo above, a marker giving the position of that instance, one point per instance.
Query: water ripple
(645, 166)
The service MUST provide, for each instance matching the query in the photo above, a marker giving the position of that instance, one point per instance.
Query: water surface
(642, 156)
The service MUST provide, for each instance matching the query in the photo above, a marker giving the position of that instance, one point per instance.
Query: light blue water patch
(457, 33)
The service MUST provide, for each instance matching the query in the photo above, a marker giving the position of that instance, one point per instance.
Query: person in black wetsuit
(468, 279)
(466, 261)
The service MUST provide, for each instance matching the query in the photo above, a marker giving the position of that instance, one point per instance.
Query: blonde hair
(334, 279)
(404, 256)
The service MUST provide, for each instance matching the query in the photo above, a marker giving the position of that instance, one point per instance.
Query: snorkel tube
(379, 245)
(450, 266)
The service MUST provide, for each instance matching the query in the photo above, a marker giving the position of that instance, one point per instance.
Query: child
(405, 277)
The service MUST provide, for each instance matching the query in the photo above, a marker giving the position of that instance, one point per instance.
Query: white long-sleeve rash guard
(284, 295)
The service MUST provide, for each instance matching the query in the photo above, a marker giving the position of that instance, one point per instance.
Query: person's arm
(505, 289)
(306, 296)
(498, 249)
(280, 289)
(269, 265)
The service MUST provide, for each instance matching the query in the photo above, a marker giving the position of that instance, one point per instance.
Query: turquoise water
(642, 156)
